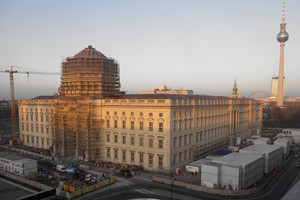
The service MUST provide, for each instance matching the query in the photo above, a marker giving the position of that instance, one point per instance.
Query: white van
(61, 168)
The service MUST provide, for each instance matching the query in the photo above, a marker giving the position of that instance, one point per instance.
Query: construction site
(87, 76)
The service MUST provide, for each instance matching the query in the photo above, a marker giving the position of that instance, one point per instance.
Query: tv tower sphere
(283, 36)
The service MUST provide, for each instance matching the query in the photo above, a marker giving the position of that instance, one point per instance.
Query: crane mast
(13, 104)
(12, 97)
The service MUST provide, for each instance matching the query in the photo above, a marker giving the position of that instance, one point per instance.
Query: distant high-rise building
(282, 37)
(274, 88)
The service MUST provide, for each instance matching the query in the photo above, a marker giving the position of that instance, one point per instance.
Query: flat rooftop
(260, 148)
(237, 159)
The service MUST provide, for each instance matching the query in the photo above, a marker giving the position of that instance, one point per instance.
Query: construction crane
(12, 96)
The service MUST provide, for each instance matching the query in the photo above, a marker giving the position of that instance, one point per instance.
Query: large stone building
(157, 131)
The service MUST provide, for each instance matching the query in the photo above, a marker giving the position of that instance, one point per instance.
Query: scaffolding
(90, 73)
(76, 129)
(87, 76)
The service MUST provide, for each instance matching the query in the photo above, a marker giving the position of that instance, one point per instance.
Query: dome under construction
(90, 74)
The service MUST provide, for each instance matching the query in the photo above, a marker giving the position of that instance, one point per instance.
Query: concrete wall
(208, 190)
(26, 181)
(27, 152)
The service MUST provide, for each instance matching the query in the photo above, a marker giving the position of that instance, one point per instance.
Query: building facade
(157, 131)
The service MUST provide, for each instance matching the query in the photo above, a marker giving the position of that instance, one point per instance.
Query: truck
(60, 168)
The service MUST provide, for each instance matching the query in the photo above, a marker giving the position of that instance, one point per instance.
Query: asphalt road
(135, 188)
(10, 190)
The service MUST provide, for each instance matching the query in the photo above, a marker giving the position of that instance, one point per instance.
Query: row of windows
(132, 125)
(178, 143)
(36, 110)
(205, 121)
(36, 129)
(132, 114)
(132, 140)
(188, 113)
(182, 156)
(141, 156)
(211, 133)
(35, 140)
(36, 117)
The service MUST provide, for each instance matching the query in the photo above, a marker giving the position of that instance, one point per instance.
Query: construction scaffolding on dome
(87, 76)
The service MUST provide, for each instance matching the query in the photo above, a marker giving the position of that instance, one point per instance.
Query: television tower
(282, 37)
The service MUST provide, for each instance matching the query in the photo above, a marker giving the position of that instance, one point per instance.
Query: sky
(199, 45)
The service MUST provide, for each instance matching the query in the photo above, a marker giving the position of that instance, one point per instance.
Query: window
(161, 127)
(37, 128)
(160, 144)
(116, 153)
(107, 137)
(132, 125)
(141, 114)
(116, 138)
(150, 142)
(116, 123)
(47, 129)
(123, 155)
(184, 155)
(180, 141)
(190, 138)
(22, 127)
(150, 159)
(123, 113)
(141, 142)
(160, 161)
(107, 152)
(132, 113)
(31, 117)
(42, 140)
(97, 136)
(27, 117)
(48, 141)
(123, 124)
(31, 128)
(107, 123)
(124, 139)
(27, 127)
(141, 158)
(132, 140)
(42, 117)
(27, 137)
(185, 139)
(161, 115)
(150, 126)
(132, 156)
(107, 112)
(174, 142)
(47, 118)
(97, 152)
(141, 126)
(150, 114)
(37, 140)
(42, 129)
(115, 113)
(36, 118)
(22, 116)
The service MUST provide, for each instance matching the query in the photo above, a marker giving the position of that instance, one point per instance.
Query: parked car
(297, 163)
(94, 179)
(88, 177)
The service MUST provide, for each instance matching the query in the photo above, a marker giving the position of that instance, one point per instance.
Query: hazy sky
(201, 45)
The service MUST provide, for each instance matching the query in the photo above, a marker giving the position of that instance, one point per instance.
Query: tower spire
(282, 37)
(283, 12)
